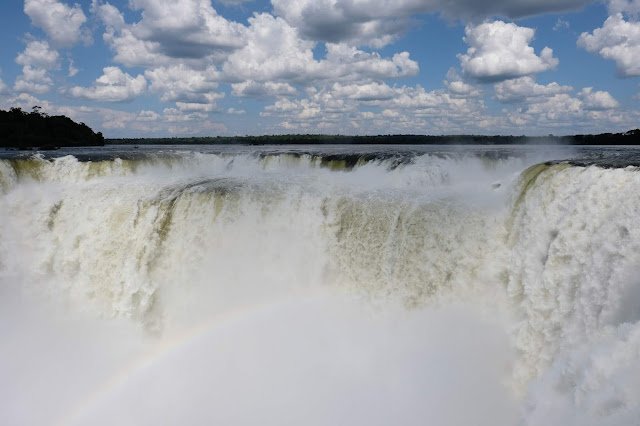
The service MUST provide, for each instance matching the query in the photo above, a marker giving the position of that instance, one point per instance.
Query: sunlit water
(351, 285)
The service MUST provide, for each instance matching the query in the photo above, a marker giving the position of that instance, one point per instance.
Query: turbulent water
(320, 286)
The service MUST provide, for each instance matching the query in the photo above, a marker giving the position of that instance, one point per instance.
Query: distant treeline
(629, 138)
(35, 129)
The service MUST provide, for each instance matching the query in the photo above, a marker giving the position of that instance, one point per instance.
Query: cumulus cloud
(38, 54)
(376, 108)
(189, 30)
(37, 59)
(192, 90)
(113, 85)
(24, 101)
(344, 21)
(553, 111)
(457, 86)
(145, 123)
(197, 106)
(234, 2)
(631, 7)
(275, 52)
(260, 89)
(190, 53)
(116, 123)
(379, 22)
(33, 80)
(499, 51)
(179, 83)
(108, 14)
(146, 115)
(338, 106)
(588, 110)
(72, 71)
(561, 25)
(617, 40)
(169, 30)
(526, 89)
(266, 58)
(129, 50)
(348, 62)
(186, 28)
(62, 23)
(372, 91)
(3, 88)
(554, 106)
(597, 100)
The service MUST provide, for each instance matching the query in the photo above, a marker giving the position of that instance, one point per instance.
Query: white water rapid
(239, 288)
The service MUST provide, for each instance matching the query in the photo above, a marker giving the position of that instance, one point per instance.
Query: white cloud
(259, 89)
(147, 123)
(62, 23)
(186, 28)
(3, 88)
(561, 25)
(499, 51)
(179, 83)
(598, 100)
(33, 80)
(430, 102)
(176, 41)
(412, 109)
(25, 101)
(275, 52)
(72, 71)
(373, 23)
(553, 112)
(348, 62)
(552, 106)
(190, 53)
(196, 107)
(146, 115)
(589, 110)
(631, 7)
(108, 14)
(375, 108)
(379, 22)
(133, 52)
(234, 2)
(37, 59)
(113, 86)
(116, 123)
(618, 40)
(458, 87)
(38, 54)
(526, 89)
(363, 92)
(128, 49)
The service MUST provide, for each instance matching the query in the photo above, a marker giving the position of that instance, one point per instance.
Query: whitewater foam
(412, 284)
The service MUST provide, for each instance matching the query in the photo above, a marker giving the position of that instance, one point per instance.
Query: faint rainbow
(162, 350)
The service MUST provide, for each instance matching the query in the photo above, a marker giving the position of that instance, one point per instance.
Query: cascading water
(344, 286)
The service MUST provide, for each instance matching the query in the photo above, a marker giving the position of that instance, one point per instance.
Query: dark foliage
(35, 129)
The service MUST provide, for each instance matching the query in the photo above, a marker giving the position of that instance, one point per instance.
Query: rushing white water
(236, 288)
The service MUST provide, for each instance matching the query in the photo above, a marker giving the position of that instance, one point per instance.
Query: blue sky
(135, 68)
